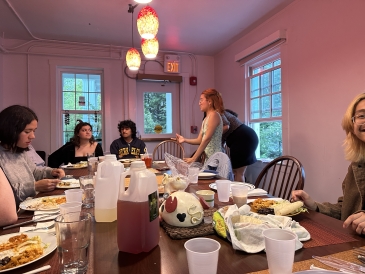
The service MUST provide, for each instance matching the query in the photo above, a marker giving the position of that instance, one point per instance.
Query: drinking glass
(87, 185)
(73, 241)
(223, 190)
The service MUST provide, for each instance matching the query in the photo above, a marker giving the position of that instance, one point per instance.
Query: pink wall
(29, 79)
(323, 69)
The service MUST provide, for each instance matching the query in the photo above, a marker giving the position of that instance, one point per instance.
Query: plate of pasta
(43, 203)
(20, 249)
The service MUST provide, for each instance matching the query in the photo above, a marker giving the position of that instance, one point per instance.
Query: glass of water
(87, 185)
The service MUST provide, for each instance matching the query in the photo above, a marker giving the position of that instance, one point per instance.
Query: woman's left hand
(356, 222)
(58, 172)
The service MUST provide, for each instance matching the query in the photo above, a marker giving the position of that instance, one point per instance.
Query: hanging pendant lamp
(147, 23)
(133, 59)
(150, 47)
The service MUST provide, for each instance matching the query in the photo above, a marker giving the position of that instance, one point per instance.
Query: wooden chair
(226, 150)
(170, 146)
(201, 158)
(281, 176)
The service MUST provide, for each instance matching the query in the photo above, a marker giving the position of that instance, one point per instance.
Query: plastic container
(107, 189)
(138, 222)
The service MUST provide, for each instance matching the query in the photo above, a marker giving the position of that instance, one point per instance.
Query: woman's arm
(226, 123)
(7, 202)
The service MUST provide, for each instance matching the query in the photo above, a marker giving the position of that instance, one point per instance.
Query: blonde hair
(354, 147)
(216, 97)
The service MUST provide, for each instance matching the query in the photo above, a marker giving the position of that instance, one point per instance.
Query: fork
(39, 228)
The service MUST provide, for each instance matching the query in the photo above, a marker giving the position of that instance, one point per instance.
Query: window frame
(83, 71)
(249, 66)
(176, 118)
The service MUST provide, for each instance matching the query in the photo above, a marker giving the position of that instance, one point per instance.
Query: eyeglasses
(359, 119)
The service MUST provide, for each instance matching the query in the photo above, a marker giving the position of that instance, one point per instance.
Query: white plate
(206, 175)
(250, 186)
(159, 162)
(47, 238)
(317, 272)
(73, 184)
(32, 202)
(73, 167)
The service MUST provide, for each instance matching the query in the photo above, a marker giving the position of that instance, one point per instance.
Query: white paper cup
(73, 195)
(202, 255)
(280, 250)
(239, 194)
(223, 190)
(207, 195)
(72, 210)
(193, 173)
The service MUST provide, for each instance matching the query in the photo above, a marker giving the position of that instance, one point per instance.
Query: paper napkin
(257, 192)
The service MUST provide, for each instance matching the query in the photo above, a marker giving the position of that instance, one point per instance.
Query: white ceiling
(203, 27)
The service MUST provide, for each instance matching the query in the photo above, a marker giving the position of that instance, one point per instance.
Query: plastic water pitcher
(107, 189)
(138, 222)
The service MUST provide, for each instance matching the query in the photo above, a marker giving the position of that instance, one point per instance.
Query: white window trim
(56, 103)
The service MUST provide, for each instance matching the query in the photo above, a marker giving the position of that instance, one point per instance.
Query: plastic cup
(223, 190)
(202, 255)
(280, 249)
(239, 194)
(147, 158)
(73, 195)
(193, 173)
(207, 195)
(73, 210)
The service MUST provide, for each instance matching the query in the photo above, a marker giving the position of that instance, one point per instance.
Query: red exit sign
(172, 64)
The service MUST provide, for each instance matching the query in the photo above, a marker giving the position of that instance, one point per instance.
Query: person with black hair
(81, 146)
(17, 130)
(128, 145)
(242, 142)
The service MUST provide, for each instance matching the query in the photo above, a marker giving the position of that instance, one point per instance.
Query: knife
(26, 222)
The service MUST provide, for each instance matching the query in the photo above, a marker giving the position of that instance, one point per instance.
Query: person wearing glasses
(349, 207)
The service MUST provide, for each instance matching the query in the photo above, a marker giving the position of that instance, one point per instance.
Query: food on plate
(64, 183)
(77, 165)
(245, 219)
(282, 207)
(286, 208)
(47, 203)
(20, 249)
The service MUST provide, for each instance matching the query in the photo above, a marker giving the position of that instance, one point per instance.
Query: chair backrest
(281, 176)
(222, 162)
(226, 150)
(201, 158)
(170, 146)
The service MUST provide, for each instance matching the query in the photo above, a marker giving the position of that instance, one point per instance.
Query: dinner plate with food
(20, 249)
(43, 203)
(277, 206)
(82, 164)
(71, 183)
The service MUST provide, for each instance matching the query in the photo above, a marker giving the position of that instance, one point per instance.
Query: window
(264, 102)
(81, 100)
(158, 109)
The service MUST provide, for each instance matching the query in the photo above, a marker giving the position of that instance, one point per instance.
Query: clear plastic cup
(193, 173)
(239, 194)
(202, 255)
(280, 250)
(223, 190)
(74, 195)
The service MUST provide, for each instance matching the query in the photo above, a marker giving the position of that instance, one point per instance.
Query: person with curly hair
(80, 147)
(128, 145)
(17, 130)
(349, 207)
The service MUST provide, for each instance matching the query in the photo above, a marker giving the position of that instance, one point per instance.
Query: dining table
(328, 237)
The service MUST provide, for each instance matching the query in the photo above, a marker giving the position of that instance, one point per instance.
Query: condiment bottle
(107, 189)
(138, 222)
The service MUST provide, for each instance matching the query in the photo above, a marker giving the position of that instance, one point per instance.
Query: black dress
(66, 154)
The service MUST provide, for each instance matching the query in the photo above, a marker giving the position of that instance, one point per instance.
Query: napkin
(40, 213)
(249, 238)
(39, 225)
(257, 192)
